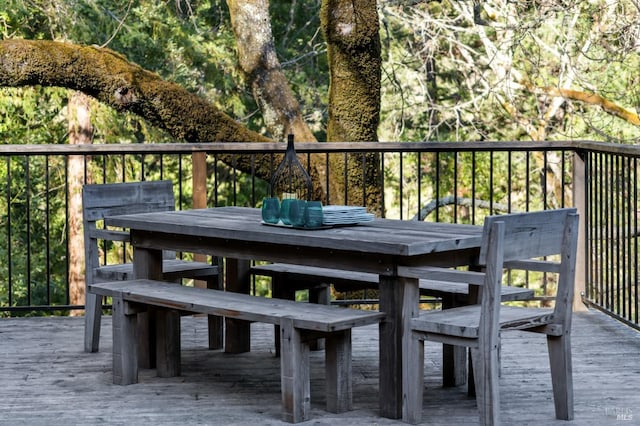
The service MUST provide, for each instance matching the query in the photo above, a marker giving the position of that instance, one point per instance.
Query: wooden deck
(46, 378)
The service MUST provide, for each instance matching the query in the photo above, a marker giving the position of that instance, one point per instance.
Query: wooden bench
(299, 323)
(299, 276)
(286, 278)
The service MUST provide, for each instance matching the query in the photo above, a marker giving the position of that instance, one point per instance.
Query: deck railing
(40, 208)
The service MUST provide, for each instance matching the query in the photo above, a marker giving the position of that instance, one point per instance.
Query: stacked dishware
(345, 215)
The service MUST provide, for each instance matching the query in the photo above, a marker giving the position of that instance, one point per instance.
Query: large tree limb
(109, 77)
(259, 62)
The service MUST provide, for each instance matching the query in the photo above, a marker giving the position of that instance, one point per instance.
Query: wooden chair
(515, 241)
(104, 200)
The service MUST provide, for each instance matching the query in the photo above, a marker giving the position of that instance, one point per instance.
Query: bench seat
(299, 324)
(352, 280)
(172, 269)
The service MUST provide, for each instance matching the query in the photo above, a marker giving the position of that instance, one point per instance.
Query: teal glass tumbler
(313, 214)
(296, 213)
(271, 210)
(285, 207)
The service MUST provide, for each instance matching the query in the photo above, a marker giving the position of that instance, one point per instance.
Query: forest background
(451, 70)
(466, 70)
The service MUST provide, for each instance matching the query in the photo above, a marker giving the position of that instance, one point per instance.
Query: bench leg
(283, 288)
(92, 317)
(294, 370)
(167, 343)
(338, 372)
(125, 352)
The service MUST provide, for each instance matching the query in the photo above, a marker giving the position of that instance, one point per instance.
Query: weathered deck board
(46, 378)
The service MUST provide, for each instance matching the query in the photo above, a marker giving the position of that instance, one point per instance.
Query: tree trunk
(261, 67)
(351, 28)
(80, 132)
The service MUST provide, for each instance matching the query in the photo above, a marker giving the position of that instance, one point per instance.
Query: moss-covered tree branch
(109, 77)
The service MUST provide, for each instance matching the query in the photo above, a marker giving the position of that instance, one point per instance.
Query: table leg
(399, 299)
(215, 322)
(147, 263)
(454, 358)
(237, 332)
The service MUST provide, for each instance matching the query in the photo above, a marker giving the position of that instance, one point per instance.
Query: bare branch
(461, 201)
(259, 62)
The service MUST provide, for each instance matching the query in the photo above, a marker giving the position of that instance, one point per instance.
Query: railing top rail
(315, 147)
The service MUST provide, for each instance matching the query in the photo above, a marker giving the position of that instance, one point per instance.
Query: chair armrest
(442, 274)
(110, 234)
(534, 265)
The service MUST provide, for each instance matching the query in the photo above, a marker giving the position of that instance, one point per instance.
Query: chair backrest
(533, 234)
(493, 246)
(530, 237)
(102, 200)
(110, 199)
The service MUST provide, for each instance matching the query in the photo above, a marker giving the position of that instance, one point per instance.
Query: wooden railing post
(580, 202)
(199, 165)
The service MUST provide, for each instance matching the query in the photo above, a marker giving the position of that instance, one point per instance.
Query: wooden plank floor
(46, 379)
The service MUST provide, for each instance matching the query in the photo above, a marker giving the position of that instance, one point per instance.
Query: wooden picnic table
(379, 247)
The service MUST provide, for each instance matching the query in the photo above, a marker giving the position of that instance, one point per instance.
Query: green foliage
(36, 232)
(33, 115)
(451, 75)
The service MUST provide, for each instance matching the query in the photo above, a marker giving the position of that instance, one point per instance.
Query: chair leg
(294, 374)
(92, 319)
(339, 372)
(471, 381)
(485, 370)
(413, 380)
(561, 375)
(471, 386)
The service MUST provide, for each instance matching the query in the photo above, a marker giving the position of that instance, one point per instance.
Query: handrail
(275, 147)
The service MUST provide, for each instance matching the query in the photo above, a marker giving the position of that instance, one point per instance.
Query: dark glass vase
(290, 179)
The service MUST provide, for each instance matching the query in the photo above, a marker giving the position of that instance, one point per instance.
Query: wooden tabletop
(382, 236)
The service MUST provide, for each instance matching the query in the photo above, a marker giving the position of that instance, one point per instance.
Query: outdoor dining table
(379, 246)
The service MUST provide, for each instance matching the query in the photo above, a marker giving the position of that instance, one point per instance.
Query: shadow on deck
(47, 378)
